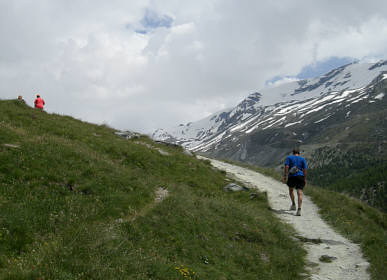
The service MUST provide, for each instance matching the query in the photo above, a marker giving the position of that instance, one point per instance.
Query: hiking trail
(346, 257)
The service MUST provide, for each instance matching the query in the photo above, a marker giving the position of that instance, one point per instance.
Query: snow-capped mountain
(293, 110)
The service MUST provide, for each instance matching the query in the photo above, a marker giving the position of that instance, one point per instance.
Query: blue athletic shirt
(300, 162)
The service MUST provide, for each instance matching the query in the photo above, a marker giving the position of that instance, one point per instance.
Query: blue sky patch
(153, 20)
(316, 69)
(322, 67)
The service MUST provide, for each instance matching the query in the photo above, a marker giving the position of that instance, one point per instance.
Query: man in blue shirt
(295, 173)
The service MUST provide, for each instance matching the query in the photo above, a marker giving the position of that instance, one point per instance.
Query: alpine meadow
(79, 202)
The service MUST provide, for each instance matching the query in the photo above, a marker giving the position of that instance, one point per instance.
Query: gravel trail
(348, 262)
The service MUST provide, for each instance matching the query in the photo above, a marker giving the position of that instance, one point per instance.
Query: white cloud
(194, 57)
(182, 29)
(281, 81)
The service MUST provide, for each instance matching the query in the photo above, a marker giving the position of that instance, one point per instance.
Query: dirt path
(349, 262)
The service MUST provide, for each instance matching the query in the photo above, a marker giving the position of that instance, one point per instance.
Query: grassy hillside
(359, 170)
(78, 202)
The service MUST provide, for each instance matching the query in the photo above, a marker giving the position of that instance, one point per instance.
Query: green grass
(78, 202)
(358, 222)
(355, 220)
(359, 171)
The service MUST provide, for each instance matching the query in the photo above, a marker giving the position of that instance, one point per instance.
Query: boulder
(253, 196)
(235, 188)
(128, 134)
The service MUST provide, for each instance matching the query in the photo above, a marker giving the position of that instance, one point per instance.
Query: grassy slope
(77, 202)
(357, 221)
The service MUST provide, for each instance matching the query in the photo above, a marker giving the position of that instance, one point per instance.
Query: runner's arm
(286, 169)
(304, 171)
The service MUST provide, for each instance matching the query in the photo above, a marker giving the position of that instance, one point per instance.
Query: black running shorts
(297, 182)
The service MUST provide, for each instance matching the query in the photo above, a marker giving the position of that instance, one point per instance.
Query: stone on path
(327, 259)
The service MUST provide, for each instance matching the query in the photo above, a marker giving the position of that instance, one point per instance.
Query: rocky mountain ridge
(289, 107)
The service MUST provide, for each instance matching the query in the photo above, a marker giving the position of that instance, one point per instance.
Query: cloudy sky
(147, 64)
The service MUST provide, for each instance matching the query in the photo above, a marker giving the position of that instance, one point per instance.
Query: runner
(295, 173)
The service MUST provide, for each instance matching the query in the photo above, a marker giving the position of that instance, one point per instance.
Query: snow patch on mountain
(379, 96)
(293, 123)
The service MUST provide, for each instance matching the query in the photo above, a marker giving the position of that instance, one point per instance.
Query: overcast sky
(143, 64)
